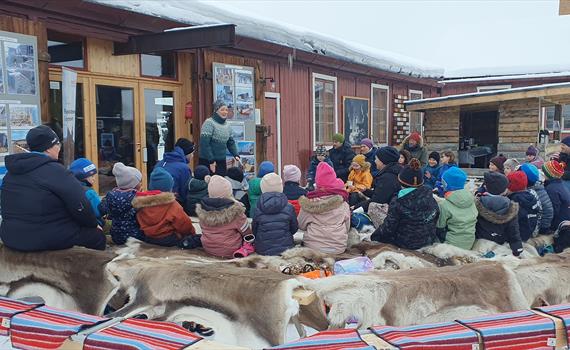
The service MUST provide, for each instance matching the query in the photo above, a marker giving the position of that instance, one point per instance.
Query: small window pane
(379, 115)
(65, 50)
(324, 110)
(159, 65)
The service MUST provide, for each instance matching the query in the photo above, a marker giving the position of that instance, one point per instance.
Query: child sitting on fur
(359, 179)
(431, 170)
(160, 216)
(117, 204)
(240, 185)
(412, 216)
(85, 171)
(223, 220)
(529, 205)
(254, 191)
(197, 189)
(325, 215)
(458, 214)
(275, 221)
(320, 155)
(498, 215)
(291, 187)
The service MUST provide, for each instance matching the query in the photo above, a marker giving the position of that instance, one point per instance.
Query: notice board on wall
(235, 85)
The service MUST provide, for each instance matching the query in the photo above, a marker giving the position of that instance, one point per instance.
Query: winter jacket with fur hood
(529, 210)
(43, 205)
(326, 221)
(274, 224)
(419, 152)
(341, 159)
(159, 215)
(457, 218)
(411, 220)
(498, 221)
(197, 190)
(223, 223)
(386, 185)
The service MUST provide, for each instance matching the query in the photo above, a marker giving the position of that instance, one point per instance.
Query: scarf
(218, 119)
(324, 192)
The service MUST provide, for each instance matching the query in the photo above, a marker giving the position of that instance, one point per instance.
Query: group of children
(511, 206)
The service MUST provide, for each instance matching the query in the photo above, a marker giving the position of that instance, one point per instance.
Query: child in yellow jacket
(359, 179)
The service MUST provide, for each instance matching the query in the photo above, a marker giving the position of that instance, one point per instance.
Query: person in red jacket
(161, 217)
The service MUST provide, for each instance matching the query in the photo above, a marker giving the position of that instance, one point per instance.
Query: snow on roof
(506, 77)
(488, 93)
(252, 26)
(494, 72)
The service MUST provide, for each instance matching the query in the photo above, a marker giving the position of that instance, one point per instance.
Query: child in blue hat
(85, 171)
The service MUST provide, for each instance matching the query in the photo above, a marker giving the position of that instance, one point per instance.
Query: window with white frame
(565, 118)
(492, 88)
(380, 108)
(324, 108)
(416, 118)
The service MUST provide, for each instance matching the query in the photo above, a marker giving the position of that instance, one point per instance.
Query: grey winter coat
(274, 224)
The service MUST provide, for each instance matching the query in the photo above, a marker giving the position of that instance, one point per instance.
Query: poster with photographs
(238, 131)
(235, 86)
(2, 89)
(20, 68)
(3, 116)
(4, 142)
(246, 148)
(18, 139)
(24, 116)
(355, 119)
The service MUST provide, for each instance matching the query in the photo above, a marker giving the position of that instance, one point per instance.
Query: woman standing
(215, 138)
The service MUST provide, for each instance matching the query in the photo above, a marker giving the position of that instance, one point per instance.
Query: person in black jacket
(412, 216)
(43, 205)
(386, 184)
(275, 221)
(498, 215)
(529, 205)
(341, 156)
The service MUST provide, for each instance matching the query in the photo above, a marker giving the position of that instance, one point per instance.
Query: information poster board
(19, 92)
(235, 85)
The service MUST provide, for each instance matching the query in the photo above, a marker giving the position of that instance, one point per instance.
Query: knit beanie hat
(411, 175)
(126, 177)
(186, 145)
(265, 168)
(415, 136)
(499, 161)
(219, 187)
(41, 138)
(495, 183)
(531, 172)
(531, 151)
(160, 180)
(219, 104)
(201, 172)
(271, 183)
(291, 173)
(321, 150)
(517, 181)
(367, 142)
(359, 159)
(511, 163)
(566, 141)
(553, 169)
(235, 174)
(82, 168)
(338, 138)
(325, 177)
(454, 179)
(388, 154)
(434, 156)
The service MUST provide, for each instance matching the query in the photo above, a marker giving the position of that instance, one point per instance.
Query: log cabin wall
(441, 129)
(518, 126)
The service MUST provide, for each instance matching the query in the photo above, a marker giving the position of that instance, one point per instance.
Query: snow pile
(251, 26)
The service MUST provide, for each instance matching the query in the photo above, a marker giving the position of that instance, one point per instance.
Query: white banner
(69, 83)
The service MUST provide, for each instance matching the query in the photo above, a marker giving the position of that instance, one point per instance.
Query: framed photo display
(356, 111)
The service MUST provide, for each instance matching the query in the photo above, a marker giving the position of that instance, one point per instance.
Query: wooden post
(557, 118)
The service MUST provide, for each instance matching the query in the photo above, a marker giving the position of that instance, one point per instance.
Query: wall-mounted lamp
(271, 81)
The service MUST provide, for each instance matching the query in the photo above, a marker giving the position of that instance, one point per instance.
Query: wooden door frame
(277, 97)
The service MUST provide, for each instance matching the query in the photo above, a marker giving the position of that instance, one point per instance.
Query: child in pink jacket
(325, 215)
(223, 220)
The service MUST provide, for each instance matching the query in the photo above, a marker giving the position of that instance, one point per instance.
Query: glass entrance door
(159, 125)
(116, 131)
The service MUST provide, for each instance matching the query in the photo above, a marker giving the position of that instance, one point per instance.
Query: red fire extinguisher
(188, 111)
